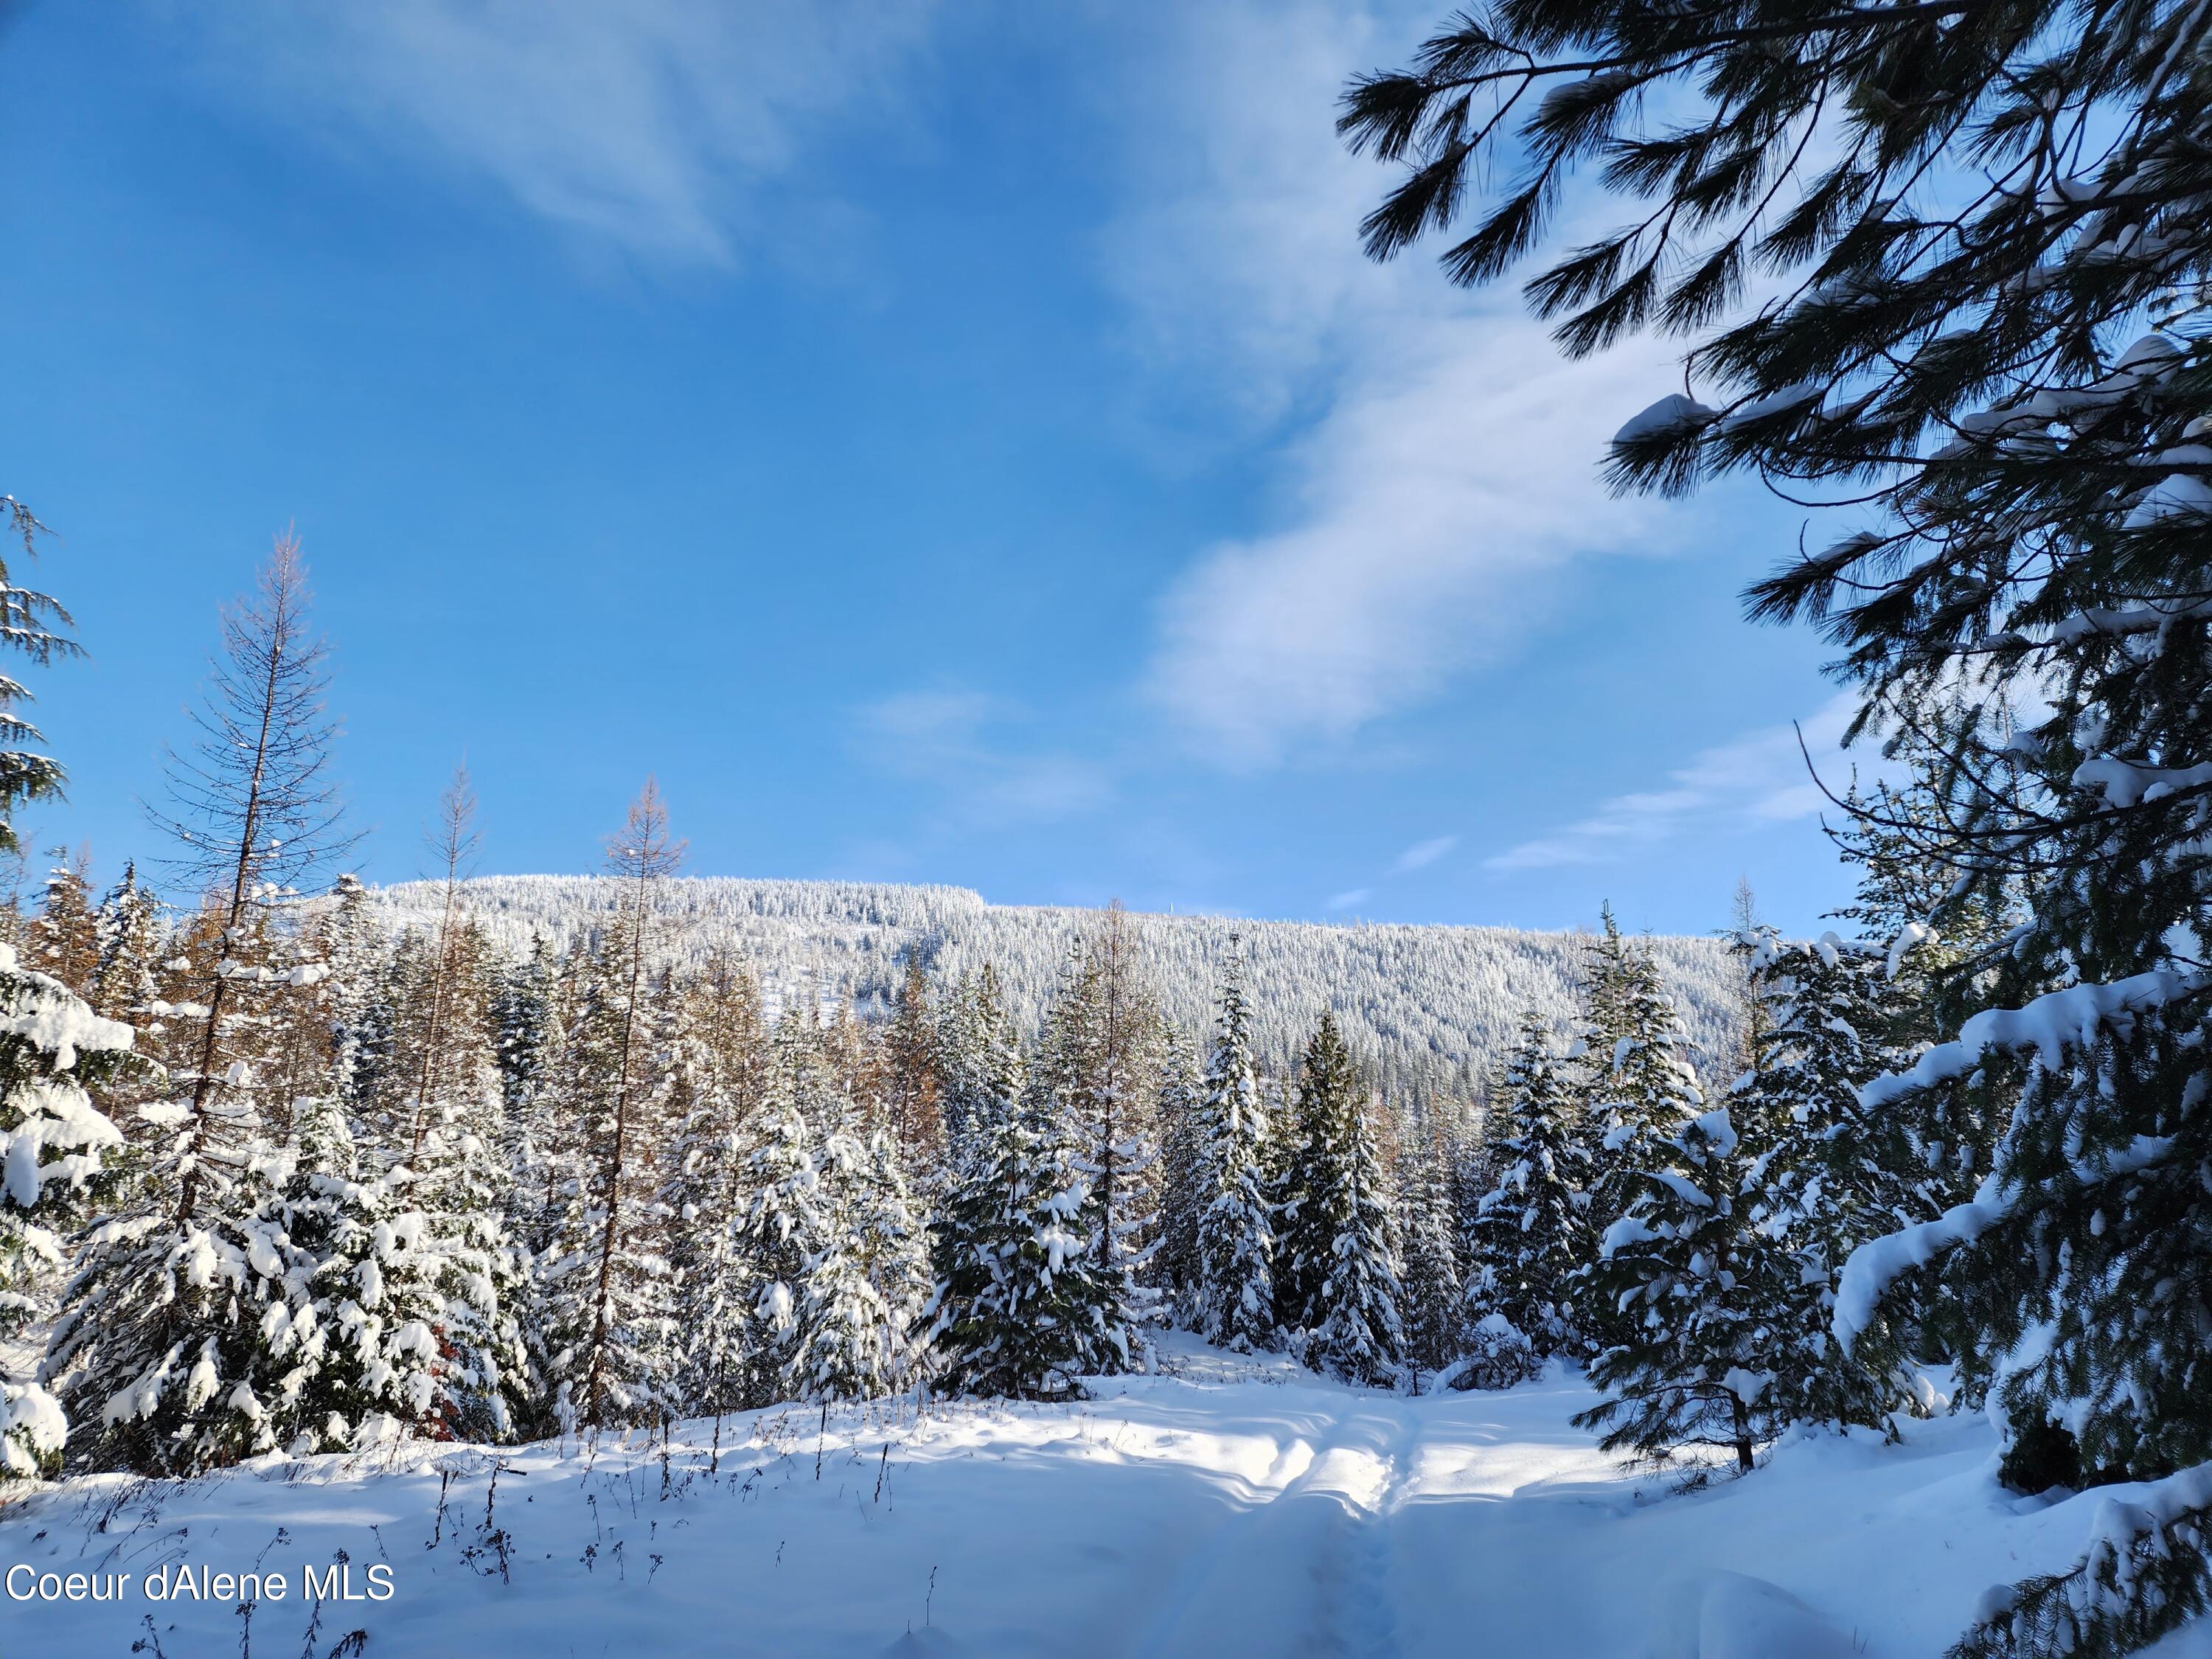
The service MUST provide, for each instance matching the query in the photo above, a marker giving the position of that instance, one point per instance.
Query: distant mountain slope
(1422, 1003)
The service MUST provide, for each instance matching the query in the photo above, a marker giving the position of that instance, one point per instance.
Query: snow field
(1236, 1507)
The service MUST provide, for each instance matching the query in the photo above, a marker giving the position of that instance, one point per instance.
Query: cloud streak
(1421, 855)
(648, 124)
(962, 744)
(1755, 780)
(1425, 511)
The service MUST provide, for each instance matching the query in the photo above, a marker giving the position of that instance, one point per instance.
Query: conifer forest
(1176, 1284)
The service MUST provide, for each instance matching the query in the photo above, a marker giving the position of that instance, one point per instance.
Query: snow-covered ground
(1229, 1509)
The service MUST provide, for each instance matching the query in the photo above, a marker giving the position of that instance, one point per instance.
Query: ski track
(1330, 1524)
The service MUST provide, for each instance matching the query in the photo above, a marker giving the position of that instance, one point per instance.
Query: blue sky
(942, 444)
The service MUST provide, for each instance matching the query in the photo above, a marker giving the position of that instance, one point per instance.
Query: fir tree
(1641, 1091)
(1681, 1276)
(364, 1340)
(31, 623)
(1020, 1307)
(1184, 1197)
(1531, 1234)
(1434, 1304)
(718, 1039)
(1233, 1300)
(1305, 1233)
(781, 1230)
(1344, 1240)
(981, 1071)
(865, 1282)
(59, 1153)
(64, 940)
(1825, 1175)
(365, 1065)
(1361, 1332)
(1095, 1050)
(127, 936)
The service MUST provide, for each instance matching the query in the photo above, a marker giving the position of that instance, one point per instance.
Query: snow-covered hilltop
(1417, 1002)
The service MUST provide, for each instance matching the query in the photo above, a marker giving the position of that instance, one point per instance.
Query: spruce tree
(1684, 1279)
(1344, 1239)
(31, 623)
(1435, 1289)
(1233, 1299)
(1177, 1109)
(783, 1227)
(58, 1155)
(1825, 1175)
(1531, 1233)
(1020, 1307)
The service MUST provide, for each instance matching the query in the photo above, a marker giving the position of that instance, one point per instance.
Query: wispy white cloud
(1349, 897)
(1449, 468)
(646, 122)
(1423, 854)
(968, 746)
(1758, 779)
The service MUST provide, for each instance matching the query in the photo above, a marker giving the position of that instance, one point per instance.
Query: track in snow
(1244, 1508)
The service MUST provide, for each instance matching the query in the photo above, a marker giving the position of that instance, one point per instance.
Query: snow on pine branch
(2051, 1024)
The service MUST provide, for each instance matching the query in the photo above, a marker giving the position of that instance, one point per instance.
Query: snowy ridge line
(1422, 1004)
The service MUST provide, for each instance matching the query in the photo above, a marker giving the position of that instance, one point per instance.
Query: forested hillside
(1427, 1008)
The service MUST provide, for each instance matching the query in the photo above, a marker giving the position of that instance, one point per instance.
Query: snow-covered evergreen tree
(781, 1230)
(1687, 1281)
(1825, 1174)
(1233, 1297)
(1178, 1110)
(1020, 1307)
(1530, 1235)
(63, 940)
(980, 1067)
(1091, 1074)
(1434, 1305)
(1641, 1091)
(359, 958)
(867, 1280)
(127, 936)
(59, 1153)
(1305, 1236)
(364, 1340)
(1343, 1240)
